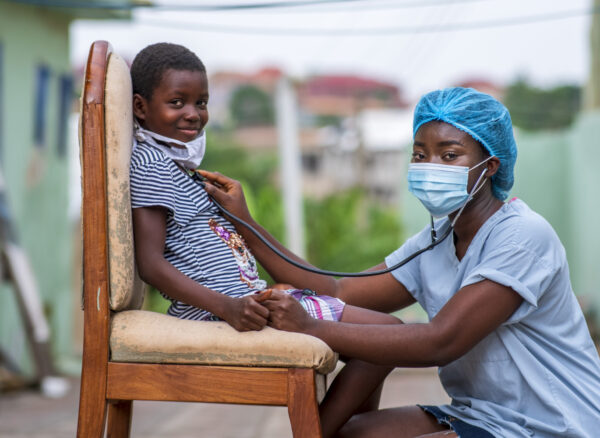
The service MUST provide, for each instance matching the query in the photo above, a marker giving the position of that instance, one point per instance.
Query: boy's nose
(192, 114)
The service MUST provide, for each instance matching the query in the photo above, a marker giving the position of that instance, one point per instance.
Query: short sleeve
(152, 185)
(408, 275)
(517, 267)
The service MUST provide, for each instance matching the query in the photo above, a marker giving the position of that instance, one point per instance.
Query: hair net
(483, 118)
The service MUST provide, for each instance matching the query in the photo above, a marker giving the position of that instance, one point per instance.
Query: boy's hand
(286, 313)
(227, 192)
(247, 313)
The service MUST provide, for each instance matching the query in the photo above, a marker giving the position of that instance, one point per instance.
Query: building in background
(36, 99)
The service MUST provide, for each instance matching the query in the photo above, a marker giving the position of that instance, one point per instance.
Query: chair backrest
(107, 131)
(126, 288)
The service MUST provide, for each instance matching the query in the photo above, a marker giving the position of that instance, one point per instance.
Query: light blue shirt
(538, 374)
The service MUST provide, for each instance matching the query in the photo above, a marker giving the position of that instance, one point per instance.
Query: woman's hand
(283, 286)
(287, 314)
(247, 313)
(227, 192)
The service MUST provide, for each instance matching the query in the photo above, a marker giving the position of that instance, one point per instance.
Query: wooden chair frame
(109, 388)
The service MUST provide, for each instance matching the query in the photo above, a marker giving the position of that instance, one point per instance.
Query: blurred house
(346, 95)
(350, 126)
(36, 98)
(369, 151)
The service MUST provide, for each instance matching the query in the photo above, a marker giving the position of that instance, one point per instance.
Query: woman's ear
(139, 107)
(493, 164)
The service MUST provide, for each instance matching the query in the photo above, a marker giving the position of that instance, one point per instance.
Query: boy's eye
(177, 102)
(202, 103)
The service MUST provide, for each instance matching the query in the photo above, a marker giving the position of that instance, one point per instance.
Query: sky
(419, 45)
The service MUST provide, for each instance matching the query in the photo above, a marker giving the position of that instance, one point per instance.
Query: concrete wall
(36, 178)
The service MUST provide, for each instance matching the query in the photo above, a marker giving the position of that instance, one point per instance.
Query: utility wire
(435, 28)
(196, 7)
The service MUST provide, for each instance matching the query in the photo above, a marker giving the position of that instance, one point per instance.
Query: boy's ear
(139, 106)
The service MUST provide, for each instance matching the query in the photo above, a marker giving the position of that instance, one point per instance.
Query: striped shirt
(200, 242)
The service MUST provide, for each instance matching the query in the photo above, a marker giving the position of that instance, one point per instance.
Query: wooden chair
(131, 354)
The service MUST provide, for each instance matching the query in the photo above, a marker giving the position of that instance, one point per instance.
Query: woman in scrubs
(505, 329)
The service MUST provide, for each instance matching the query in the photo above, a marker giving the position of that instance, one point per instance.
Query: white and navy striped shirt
(200, 242)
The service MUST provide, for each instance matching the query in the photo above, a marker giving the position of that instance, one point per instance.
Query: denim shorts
(462, 429)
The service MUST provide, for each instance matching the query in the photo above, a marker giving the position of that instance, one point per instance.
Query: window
(64, 106)
(41, 100)
(1, 103)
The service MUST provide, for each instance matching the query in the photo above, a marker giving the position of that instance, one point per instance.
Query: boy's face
(178, 106)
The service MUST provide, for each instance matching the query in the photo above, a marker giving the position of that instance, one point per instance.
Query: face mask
(188, 155)
(442, 188)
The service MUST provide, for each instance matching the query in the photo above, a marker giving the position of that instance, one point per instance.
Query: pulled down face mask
(189, 155)
(442, 188)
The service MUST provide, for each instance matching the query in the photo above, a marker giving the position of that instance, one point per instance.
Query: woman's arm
(149, 227)
(381, 292)
(472, 314)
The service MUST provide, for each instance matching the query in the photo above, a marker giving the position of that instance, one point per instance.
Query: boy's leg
(357, 387)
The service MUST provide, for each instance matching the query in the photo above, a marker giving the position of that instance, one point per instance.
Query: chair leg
(119, 419)
(303, 407)
(92, 409)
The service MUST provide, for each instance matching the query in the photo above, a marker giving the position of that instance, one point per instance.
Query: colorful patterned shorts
(318, 306)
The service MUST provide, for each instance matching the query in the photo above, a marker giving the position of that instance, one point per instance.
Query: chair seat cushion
(150, 337)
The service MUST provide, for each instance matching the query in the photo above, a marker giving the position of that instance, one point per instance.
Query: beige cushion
(126, 288)
(149, 337)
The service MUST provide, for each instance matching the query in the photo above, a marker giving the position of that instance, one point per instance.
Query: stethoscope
(434, 239)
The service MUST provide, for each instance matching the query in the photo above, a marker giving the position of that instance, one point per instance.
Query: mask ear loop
(474, 191)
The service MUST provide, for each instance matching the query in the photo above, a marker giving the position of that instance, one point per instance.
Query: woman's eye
(450, 156)
(417, 156)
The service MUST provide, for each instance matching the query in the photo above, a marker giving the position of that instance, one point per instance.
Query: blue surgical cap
(483, 118)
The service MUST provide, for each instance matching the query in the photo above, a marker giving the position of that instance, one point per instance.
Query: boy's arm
(381, 292)
(149, 227)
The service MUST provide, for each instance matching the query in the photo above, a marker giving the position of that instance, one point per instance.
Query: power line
(174, 7)
(145, 4)
(436, 28)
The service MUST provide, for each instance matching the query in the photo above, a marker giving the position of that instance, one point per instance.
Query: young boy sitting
(184, 246)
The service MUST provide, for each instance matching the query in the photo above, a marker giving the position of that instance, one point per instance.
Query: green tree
(251, 106)
(349, 232)
(535, 109)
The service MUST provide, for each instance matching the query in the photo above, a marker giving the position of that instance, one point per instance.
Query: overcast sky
(417, 47)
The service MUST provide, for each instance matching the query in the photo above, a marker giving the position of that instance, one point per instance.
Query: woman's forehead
(438, 132)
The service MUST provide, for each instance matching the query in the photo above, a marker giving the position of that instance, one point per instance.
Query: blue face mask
(442, 188)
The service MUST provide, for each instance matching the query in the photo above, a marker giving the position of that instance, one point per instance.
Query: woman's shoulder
(518, 225)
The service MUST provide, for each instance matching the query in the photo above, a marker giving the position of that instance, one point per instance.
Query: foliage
(534, 109)
(349, 232)
(251, 106)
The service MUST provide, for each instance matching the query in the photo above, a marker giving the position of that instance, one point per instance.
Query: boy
(185, 247)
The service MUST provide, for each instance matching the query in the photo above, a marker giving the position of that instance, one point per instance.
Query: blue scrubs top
(538, 374)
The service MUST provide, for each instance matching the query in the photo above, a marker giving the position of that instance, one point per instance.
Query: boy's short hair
(150, 64)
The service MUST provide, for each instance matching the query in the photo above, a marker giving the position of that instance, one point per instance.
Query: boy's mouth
(191, 132)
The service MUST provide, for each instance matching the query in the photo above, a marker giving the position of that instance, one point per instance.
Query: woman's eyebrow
(450, 143)
(442, 143)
